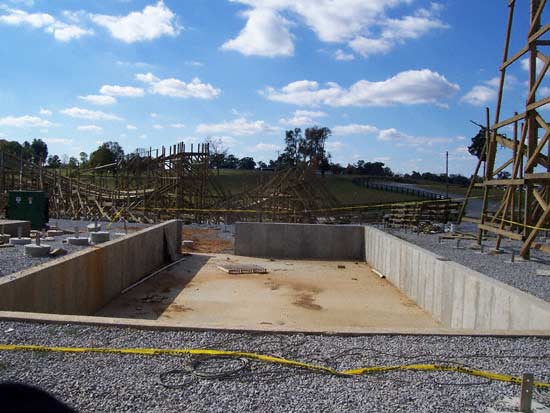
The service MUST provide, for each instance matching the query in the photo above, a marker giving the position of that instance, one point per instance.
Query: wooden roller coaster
(524, 208)
(166, 183)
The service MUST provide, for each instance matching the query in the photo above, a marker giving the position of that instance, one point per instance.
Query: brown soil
(307, 301)
(206, 240)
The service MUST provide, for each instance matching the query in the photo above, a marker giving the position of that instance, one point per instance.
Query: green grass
(348, 193)
(453, 189)
(239, 181)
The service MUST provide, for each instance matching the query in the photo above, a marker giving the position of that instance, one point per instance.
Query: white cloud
(525, 64)
(354, 129)
(124, 91)
(158, 127)
(25, 122)
(61, 31)
(480, 95)
(335, 145)
(343, 56)
(177, 125)
(131, 127)
(21, 17)
(80, 113)
(402, 139)
(194, 63)
(153, 22)
(67, 32)
(303, 118)
(395, 31)
(154, 115)
(266, 147)
(90, 128)
(237, 127)
(63, 141)
(265, 34)
(176, 88)
(45, 112)
(101, 100)
(406, 88)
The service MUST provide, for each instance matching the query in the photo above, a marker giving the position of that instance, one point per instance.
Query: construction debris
(242, 269)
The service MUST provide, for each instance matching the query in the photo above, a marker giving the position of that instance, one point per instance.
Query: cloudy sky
(396, 80)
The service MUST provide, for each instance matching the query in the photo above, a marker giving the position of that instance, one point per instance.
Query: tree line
(301, 148)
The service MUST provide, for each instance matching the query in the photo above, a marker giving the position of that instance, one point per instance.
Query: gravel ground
(14, 259)
(103, 382)
(520, 274)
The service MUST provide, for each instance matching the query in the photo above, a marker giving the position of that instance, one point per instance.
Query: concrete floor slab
(307, 295)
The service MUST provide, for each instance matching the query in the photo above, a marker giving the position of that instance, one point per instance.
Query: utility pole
(447, 174)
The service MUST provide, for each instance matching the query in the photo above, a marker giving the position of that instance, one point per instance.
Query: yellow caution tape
(520, 224)
(349, 208)
(277, 360)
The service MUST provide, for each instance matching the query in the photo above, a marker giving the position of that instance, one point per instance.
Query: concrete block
(37, 251)
(99, 237)
(11, 227)
(93, 227)
(55, 233)
(78, 241)
(20, 241)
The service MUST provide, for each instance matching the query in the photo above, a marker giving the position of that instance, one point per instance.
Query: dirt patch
(307, 301)
(178, 308)
(207, 240)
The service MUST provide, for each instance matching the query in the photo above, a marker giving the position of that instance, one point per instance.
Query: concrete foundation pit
(294, 295)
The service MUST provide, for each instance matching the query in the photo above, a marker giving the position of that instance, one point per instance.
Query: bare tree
(217, 153)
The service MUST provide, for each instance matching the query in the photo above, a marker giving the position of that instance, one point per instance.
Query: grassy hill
(238, 181)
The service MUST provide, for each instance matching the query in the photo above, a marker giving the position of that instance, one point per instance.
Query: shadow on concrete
(155, 296)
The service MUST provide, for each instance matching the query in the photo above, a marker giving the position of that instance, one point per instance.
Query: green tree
(478, 144)
(247, 163)
(108, 153)
(73, 162)
(83, 158)
(54, 162)
(39, 150)
(217, 153)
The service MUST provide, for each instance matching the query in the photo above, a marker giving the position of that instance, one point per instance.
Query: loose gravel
(524, 275)
(108, 383)
(14, 259)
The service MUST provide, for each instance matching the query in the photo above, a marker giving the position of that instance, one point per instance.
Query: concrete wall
(456, 296)
(300, 241)
(10, 227)
(84, 282)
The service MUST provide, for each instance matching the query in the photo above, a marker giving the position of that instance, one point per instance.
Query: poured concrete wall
(10, 227)
(84, 282)
(455, 295)
(300, 241)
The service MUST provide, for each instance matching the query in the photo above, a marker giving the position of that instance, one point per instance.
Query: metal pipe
(147, 277)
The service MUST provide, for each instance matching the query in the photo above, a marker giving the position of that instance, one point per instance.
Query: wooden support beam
(503, 232)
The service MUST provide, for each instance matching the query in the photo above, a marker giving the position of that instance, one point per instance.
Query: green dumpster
(28, 206)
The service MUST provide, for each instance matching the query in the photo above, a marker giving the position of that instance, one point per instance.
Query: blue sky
(395, 80)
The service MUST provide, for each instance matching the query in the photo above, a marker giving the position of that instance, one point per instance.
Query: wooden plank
(502, 232)
(496, 182)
